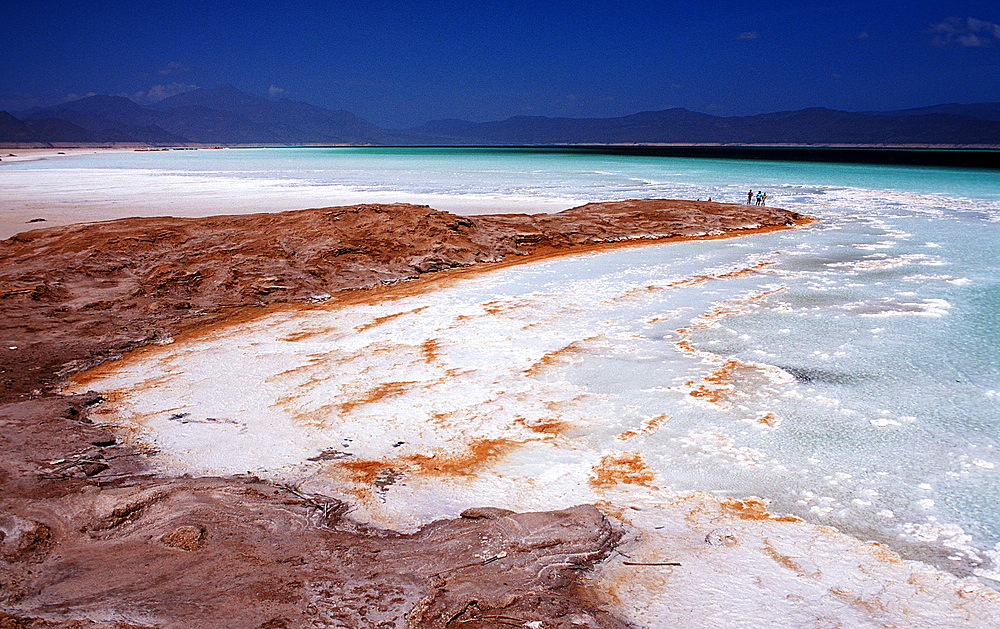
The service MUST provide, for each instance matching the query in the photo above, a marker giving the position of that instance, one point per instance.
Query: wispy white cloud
(74, 96)
(967, 32)
(748, 35)
(863, 35)
(159, 92)
(173, 68)
(274, 91)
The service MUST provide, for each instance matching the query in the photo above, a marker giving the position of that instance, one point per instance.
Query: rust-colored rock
(185, 537)
(265, 553)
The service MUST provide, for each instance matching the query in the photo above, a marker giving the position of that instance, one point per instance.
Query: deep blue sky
(402, 63)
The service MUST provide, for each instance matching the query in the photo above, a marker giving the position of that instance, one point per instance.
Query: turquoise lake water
(871, 336)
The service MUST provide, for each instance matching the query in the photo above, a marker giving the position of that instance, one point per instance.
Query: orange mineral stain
(883, 553)
(769, 419)
(649, 426)
(377, 321)
(786, 561)
(753, 509)
(368, 473)
(503, 306)
(749, 509)
(753, 268)
(364, 472)
(477, 455)
(555, 356)
(375, 394)
(431, 349)
(305, 333)
(626, 468)
(548, 426)
(718, 382)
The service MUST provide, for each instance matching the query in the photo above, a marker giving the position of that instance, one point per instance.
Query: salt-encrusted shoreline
(91, 532)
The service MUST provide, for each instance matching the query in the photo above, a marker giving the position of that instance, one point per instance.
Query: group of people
(761, 197)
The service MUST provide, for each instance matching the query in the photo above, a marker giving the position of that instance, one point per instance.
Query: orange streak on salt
(555, 355)
(626, 468)
(378, 474)
(431, 350)
(753, 509)
(304, 334)
(743, 272)
(716, 383)
(377, 321)
(317, 418)
(695, 280)
(649, 426)
(375, 394)
(546, 426)
(784, 560)
(501, 306)
(769, 419)
(883, 553)
(478, 454)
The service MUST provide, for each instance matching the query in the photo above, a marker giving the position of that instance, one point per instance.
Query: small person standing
(763, 199)
(749, 196)
(760, 197)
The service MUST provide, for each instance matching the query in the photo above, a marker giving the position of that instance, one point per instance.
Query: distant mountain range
(225, 115)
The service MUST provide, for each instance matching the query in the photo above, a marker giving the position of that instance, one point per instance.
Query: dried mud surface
(90, 536)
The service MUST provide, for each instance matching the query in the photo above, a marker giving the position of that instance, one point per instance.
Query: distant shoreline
(956, 156)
